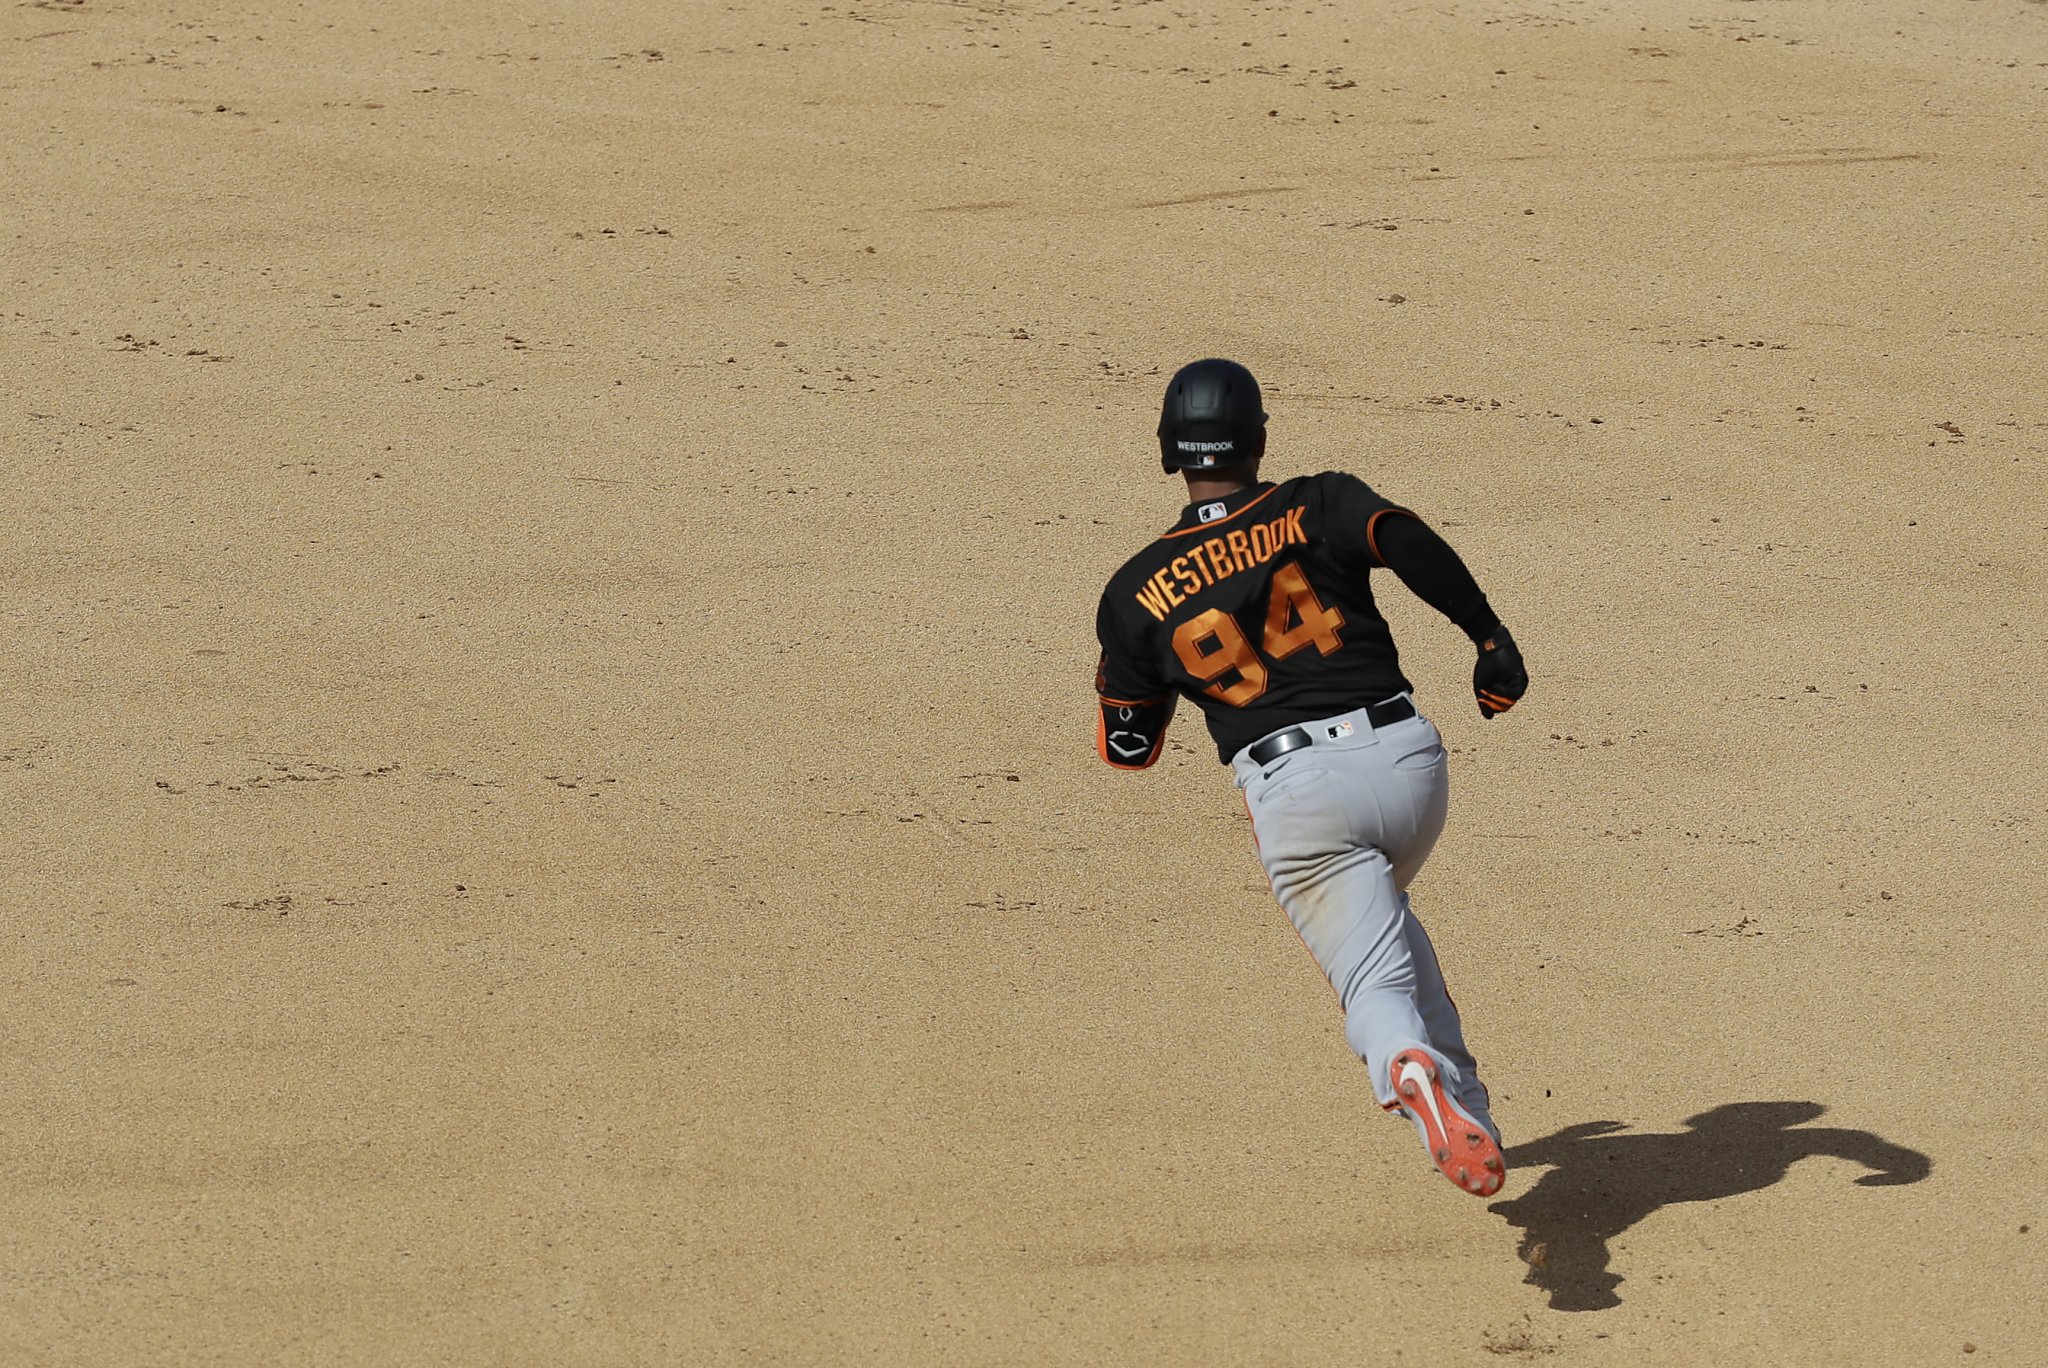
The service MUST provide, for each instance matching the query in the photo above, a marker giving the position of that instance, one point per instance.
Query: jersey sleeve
(1434, 573)
(1355, 512)
(1134, 702)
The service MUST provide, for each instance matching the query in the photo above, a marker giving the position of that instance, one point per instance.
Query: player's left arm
(1433, 572)
(1130, 733)
(1133, 705)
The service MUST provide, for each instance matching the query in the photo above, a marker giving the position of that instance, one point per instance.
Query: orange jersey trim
(1372, 542)
(1204, 527)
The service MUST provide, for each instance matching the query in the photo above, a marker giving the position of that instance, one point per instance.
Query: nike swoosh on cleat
(1413, 1072)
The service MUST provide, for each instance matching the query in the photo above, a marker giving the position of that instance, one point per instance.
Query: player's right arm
(1133, 703)
(1435, 574)
(1402, 542)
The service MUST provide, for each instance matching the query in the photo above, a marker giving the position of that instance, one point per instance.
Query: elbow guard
(1130, 735)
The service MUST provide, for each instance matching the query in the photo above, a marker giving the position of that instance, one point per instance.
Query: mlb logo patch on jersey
(1210, 512)
(1338, 730)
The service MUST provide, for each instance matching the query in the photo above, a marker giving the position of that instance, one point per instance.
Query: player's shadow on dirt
(1600, 1183)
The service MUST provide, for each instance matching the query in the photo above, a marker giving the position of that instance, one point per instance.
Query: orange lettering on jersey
(1292, 597)
(1219, 556)
(1163, 581)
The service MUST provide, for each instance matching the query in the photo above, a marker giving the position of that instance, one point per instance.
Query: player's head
(1212, 419)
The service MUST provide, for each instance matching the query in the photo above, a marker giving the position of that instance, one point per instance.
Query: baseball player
(1257, 605)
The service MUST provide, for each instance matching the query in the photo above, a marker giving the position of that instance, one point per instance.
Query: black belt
(1294, 738)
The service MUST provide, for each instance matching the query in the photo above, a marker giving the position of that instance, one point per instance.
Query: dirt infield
(550, 559)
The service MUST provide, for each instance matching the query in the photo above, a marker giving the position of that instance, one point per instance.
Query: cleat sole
(1482, 1170)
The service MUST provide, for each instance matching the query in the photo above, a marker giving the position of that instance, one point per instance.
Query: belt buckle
(1284, 743)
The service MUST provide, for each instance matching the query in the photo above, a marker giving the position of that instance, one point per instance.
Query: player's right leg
(1326, 820)
(1358, 927)
(1414, 789)
(1440, 1020)
(1341, 828)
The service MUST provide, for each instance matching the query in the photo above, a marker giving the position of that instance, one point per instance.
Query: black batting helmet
(1211, 417)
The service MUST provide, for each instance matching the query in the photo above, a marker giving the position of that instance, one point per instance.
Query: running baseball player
(1256, 605)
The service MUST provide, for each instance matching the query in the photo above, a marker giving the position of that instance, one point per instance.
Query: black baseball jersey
(1257, 607)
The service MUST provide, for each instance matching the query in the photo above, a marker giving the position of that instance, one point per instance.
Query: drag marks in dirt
(585, 784)
(277, 776)
(1760, 160)
(1466, 405)
(469, 319)
(1718, 340)
(1384, 225)
(651, 230)
(20, 754)
(129, 342)
(288, 904)
(1744, 927)
(944, 825)
(1788, 157)
(1191, 1254)
(952, 821)
(1217, 196)
(280, 903)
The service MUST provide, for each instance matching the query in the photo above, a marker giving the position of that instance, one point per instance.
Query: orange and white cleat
(1460, 1147)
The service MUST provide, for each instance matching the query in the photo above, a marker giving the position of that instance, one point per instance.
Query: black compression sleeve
(1433, 572)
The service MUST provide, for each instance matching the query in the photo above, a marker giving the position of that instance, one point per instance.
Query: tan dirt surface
(550, 555)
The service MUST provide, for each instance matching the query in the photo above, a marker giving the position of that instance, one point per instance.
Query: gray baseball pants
(1342, 827)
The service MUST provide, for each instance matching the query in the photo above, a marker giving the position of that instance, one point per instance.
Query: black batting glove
(1498, 677)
